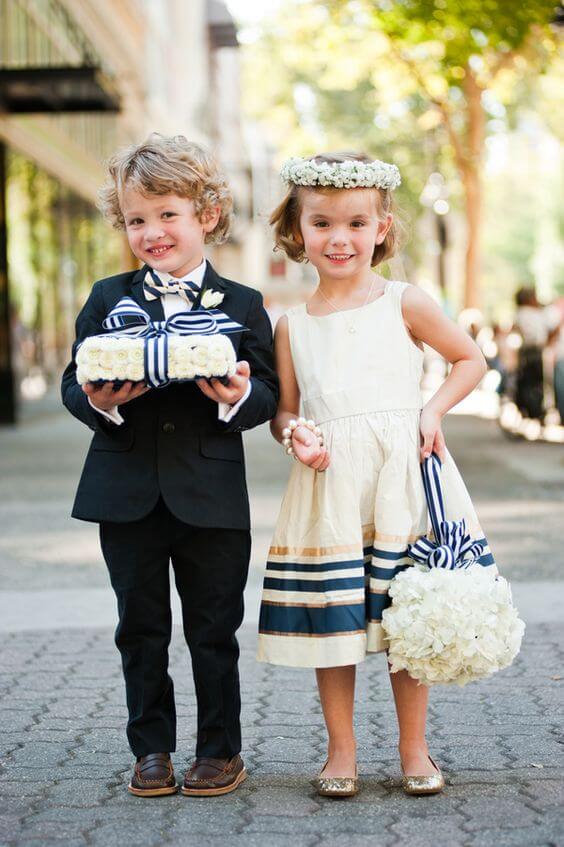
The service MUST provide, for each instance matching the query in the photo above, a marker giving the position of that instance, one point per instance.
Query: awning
(56, 89)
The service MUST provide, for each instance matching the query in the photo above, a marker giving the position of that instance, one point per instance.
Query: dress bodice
(356, 361)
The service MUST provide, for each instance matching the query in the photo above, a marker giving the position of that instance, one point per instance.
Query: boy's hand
(105, 398)
(230, 393)
(308, 449)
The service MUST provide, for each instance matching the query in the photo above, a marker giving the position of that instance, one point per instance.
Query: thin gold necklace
(350, 326)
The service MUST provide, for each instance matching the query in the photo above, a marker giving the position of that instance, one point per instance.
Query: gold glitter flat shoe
(424, 784)
(336, 786)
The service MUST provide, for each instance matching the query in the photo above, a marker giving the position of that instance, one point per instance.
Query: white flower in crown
(211, 299)
(348, 174)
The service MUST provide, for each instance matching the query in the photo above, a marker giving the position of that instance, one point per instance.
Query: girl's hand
(432, 438)
(308, 449)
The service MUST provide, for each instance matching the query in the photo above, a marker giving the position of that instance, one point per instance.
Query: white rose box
(187, 346)
(103, 358)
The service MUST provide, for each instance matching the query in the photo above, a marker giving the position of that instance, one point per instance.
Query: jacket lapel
(211, 281)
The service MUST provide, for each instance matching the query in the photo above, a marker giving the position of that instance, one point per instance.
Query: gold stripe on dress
(312, 551)
(381, 536)
(343, 548)
(367, 535)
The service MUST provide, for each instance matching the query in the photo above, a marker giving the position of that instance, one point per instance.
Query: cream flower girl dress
(342, 535)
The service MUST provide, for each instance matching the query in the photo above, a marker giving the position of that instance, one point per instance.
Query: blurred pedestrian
(500, 356)
(558, 348)
(534, 323)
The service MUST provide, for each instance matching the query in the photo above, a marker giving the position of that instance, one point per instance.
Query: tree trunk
(473, 203)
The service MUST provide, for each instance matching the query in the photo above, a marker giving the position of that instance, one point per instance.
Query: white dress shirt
(172, 304)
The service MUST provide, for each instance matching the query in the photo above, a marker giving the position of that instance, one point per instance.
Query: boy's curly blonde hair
(168, 165)
(286, 216)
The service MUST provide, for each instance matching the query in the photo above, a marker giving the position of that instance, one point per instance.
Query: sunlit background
(466, 100)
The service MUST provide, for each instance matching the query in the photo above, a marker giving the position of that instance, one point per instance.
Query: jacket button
(168, 427)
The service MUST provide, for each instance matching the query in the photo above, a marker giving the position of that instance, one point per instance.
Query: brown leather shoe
(208, 777)
(153, 776)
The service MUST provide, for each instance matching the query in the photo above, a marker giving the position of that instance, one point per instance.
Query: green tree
(454, 52)
(314, 87)
(407, 74)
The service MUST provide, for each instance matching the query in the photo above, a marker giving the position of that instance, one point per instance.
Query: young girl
(353, 356)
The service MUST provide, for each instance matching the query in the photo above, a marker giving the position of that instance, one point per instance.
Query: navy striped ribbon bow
(128, 318)
(453, 547)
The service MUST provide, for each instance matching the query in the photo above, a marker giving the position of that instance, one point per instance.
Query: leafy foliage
(421, 83)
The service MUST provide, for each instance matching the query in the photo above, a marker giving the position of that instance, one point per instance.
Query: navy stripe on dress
(375, 605)
(386, 573)
(486, 558)
(310, 620)
(298, 567)
(393, 555)
(314, 585)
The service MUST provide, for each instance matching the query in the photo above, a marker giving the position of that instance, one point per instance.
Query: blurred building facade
(161, 65)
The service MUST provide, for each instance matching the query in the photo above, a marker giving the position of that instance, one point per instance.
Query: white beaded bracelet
(293, 424)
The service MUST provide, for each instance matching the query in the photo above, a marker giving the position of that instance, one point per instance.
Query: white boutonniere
(211, 299)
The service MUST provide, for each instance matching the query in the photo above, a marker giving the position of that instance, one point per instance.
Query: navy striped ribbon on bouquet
(452, 547)
(128, 318)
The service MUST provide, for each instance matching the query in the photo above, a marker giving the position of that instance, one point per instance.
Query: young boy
(164, 476)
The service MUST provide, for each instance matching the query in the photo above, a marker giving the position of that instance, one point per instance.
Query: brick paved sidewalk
(65, 762)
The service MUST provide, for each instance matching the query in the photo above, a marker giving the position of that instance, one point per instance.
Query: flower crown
(348, 174)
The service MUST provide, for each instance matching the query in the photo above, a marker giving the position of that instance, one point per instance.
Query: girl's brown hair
(170, 165)
(286, 216)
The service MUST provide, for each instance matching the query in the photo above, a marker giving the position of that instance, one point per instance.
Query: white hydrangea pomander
(451, 626)
(348, 174)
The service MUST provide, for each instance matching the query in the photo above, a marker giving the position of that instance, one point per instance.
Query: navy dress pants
(210, 570)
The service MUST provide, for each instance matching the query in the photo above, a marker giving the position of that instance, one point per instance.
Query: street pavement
(64, 760)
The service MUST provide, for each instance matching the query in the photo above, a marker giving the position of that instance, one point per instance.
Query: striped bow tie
(154, 287)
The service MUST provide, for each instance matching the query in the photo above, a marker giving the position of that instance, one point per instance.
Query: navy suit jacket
(171, 443)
